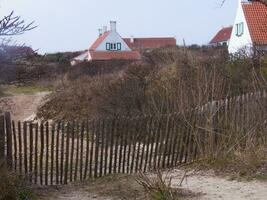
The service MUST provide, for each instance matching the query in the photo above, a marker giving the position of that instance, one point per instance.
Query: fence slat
(111, 146)
(57, 152)
(166, 143)
(25, 147)
(41, 153)
(36, 153)
(147, 144)
(175, 140)
(116, 138)
(72, 150)
(20, 147)
(143, 142)
(81, 152)
(67, 154)
(92, 131)
(62, 152)
(126, 129)
(52, 154)
(120, 143)
(96, 133)
(139, 141)
(47, 152)
(134, 139)
(160, 141)
(9, 140)
(170, 144)
(183, 143)
(87, 150)
(31, 152)
(157, 144)
(2, 142)
(102, 135)
(15, 146)
(130, 137)
(152, 141)
(107, 135)
(77, 151)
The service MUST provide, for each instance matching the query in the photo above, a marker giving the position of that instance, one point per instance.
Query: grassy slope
(11, 90)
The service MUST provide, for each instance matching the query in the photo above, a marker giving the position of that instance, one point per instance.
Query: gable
(240, 39)
(111, 37)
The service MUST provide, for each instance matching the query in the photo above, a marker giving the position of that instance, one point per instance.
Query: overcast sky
(69, 25)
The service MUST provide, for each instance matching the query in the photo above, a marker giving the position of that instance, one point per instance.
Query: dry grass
(244, 164)
(158, 187)
(13, 187)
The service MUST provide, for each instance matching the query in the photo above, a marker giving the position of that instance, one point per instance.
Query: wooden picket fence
(51, 153)
(62, 152)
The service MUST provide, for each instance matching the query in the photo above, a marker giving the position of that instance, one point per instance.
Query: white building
(109, 45)
(222, 38)
(250, 28)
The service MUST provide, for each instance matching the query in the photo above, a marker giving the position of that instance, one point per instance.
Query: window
(239, 29)
(108, 46)
(118, 46)
(113, 46)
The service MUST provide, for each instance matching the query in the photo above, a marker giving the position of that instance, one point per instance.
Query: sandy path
(214, 188)
(22, 107)
(206, 186)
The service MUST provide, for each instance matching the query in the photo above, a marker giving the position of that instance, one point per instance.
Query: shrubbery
(13, 187)
(168, 80)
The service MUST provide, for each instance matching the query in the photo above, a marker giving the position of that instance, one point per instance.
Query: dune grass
(11, 90)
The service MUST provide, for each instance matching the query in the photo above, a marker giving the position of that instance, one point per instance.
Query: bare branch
(13, 25)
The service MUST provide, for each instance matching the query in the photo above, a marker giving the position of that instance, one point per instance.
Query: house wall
(244, 41)
(218, 44)
(113, 37)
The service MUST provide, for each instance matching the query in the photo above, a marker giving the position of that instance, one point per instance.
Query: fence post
(2, 142)
(9, 139)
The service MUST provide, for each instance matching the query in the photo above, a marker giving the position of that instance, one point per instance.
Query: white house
(250, 28)
(110, 45)
(222, 38)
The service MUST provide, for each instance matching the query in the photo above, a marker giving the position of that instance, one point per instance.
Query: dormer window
(113, 46)
(239, 29)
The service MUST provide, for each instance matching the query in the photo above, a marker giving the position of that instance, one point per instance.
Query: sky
(72, 25)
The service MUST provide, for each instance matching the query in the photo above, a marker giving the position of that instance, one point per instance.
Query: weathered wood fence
(58, 153)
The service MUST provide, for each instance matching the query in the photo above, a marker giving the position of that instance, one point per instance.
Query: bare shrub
(13, 187)
(170, 80)
(158, 187)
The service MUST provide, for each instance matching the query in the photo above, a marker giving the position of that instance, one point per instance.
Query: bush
(13, 187)
(168, 80)
(158, 187)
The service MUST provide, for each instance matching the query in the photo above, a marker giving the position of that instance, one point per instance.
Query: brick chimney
(113, 26)
(100, 32)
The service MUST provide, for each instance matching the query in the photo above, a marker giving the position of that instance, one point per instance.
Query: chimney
(113, 26)
(100, 32)
(132, 39)
(105, 29)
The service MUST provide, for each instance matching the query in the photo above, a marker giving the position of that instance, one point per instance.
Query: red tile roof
(256, 17)
(108, 55)
(145, 43)
(99, 41)
(223, 35)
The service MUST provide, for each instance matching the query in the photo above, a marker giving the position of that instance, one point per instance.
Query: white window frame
(239, 29)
